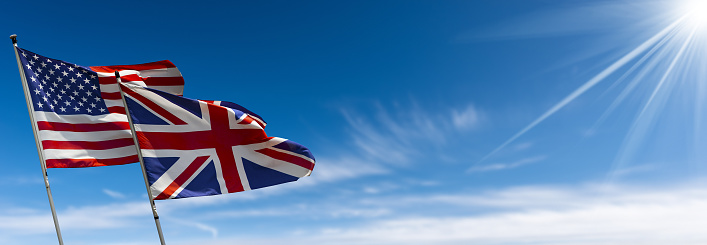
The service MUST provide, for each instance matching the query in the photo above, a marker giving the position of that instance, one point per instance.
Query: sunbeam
(645, 119)
(591, 83)
(658, 73)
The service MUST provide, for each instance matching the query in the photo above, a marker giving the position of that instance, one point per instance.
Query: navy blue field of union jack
(199, 148)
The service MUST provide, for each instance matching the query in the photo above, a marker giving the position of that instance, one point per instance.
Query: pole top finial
(14, 38)
(117, 74)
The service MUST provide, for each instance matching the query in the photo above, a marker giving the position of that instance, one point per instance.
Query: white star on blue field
(432, 122)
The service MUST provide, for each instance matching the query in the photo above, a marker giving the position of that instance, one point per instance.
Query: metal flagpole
(36, 140)
(142, 163)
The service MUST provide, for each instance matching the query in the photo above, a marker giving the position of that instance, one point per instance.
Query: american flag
(198, 148)
(81, 120)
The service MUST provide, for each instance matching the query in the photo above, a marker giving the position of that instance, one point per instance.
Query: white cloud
(590, 214)
(467, 119)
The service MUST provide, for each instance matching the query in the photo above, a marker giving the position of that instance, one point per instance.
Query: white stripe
(219, 175)
(177, 153)
(53, 117)
(115, 103)
(162, 72)
(83, 154)
(109, 88)
(84, 136)
(241, 173)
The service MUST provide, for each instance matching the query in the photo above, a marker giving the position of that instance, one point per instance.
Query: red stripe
(111, 96)
(149, 81)
(81, 127)
(154, 107)
(106, 80)
(224, 137)
(199, 139)
(287, 158)
(154, 81)
(139, 67)
(88, 145)
(116, 109)
(182, 178)
(164, 81)
(81, 163)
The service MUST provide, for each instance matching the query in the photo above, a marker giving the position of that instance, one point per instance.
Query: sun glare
(695, 11)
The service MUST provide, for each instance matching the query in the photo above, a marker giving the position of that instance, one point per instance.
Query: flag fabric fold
(81, 121)
(199, 148)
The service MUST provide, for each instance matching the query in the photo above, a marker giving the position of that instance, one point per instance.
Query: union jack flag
(198, 148)
(80, 117)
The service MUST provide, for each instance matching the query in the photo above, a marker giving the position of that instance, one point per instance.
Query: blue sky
(433, 122)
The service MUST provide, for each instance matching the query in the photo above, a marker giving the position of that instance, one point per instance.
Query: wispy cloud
(22, 180)
(398, 136)
(96, 217)
(198, 225)
(563, 20)
(114, 194)
(502, 166)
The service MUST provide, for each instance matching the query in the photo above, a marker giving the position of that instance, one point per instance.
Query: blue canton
(62, 87)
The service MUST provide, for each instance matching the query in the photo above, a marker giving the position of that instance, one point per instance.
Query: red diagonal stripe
(287, 158)
(154, 107)
(182, 178)
(246, 120)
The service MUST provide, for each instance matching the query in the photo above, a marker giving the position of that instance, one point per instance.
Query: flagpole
(142, 163)
(40, 151)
